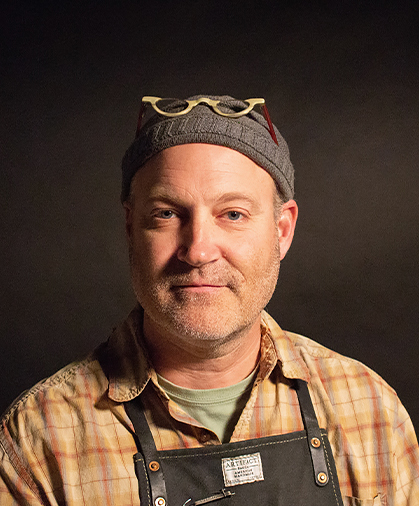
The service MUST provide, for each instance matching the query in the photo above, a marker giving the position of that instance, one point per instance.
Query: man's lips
(199, 287)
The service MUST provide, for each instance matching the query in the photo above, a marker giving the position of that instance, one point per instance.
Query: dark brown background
(341, 82)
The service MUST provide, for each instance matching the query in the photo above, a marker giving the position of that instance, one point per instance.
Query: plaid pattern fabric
(68, 441)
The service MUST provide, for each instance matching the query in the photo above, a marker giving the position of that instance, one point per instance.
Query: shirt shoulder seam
(52, 381)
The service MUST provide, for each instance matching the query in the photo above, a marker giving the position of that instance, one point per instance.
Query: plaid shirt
(68, 441)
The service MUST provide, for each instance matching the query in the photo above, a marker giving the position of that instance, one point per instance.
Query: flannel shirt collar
(126, 363)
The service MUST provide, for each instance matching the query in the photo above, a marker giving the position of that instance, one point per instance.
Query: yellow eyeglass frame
(212, 103)
(153, 101)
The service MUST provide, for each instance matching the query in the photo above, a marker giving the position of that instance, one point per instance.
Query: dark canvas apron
(290, 469)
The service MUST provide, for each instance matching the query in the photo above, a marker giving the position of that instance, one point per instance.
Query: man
(199, 396)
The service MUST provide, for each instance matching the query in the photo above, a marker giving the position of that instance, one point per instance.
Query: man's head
(206, 239)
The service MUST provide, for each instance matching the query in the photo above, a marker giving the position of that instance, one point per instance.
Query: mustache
(208, 274)
(176, 273)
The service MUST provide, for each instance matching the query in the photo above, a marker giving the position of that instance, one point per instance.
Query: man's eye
(234, 215)
(166, 214)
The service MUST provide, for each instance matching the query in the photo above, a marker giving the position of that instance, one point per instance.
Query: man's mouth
(199, 287)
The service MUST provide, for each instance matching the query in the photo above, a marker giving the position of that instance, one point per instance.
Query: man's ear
(128, 220)
(286, 225)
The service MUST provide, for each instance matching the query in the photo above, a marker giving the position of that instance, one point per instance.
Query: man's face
(205, 245)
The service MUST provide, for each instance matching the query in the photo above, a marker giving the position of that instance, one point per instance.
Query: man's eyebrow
(166, 194)
(240, 196)
(236, 196)
(169, 197)
(162, 194)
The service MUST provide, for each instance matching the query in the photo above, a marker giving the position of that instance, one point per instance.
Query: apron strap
(148, 450)
(314, 435)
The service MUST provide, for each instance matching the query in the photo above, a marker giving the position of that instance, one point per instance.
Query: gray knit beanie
(247, 134)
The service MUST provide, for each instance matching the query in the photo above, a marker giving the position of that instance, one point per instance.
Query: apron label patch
(243, 469)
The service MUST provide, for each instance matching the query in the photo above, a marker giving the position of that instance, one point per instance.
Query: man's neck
(203, 365)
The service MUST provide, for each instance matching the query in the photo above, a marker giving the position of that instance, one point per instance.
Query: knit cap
(248, 134)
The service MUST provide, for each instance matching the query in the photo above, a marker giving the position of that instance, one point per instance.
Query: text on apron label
(242, 469)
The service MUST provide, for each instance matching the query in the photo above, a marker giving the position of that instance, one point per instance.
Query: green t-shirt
(217, 409)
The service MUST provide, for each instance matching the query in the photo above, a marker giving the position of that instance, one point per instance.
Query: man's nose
(198, 244)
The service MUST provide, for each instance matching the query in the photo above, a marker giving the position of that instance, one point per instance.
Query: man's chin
(201, 296)
(200, 323)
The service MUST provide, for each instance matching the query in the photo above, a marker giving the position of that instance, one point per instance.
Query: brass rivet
(322, 477)
(315, 442)
(154, 466)
(160, 501)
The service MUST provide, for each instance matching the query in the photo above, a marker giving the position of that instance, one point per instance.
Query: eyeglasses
(186, 106)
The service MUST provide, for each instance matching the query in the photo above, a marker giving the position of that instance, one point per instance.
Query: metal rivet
(315, 442)
(160, 501)
(322, 477)
(154, 466)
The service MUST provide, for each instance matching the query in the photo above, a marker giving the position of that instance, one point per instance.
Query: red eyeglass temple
(140, 117)
(270, 125)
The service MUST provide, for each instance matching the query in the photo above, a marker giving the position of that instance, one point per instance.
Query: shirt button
(204, 437)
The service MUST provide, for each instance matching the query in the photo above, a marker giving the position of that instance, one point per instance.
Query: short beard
(217, 325)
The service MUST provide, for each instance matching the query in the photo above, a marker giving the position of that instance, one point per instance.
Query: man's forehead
(202, 167)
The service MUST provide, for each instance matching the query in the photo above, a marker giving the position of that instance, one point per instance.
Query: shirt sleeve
(15, 488)
(406, 455)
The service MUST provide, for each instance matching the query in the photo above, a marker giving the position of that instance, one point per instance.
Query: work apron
(295, 469)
